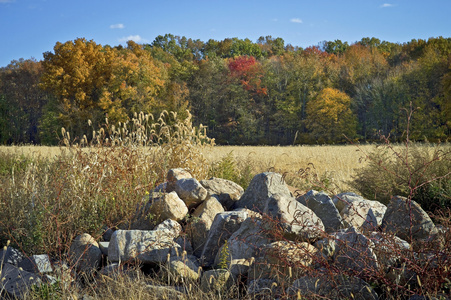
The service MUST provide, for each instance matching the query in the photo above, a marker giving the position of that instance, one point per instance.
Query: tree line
(263, 92)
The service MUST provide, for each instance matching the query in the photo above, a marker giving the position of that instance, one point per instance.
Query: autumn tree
(329, 117)
(134, 84)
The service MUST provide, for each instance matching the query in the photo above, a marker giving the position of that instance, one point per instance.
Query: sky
(28, 28)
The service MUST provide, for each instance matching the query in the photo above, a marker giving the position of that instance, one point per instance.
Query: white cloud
(136, 38)
(296, 20)
(386, 5)
(115, 26)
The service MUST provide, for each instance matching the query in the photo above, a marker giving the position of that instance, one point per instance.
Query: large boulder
(322, 205)
(407, 220)
(344, 199)
(242, 246)
(262, 187)
(85, 253)
(354, 251)
(363, 214)
(284, 259)
(159, 207)
(223, 226)
(268, 194)
(227, 192)
(17, 282)
(190, 191)
(152, 246)
(200, 223)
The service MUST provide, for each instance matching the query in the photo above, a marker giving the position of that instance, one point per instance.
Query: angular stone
(104, 247)
(10, 255)
(322, 205)
(262, 187)
(407, 220)
(85, 253)
(37, 264)
(183, 269)
(199, 225)
(16, 282)
(354, 251)
(168, 206)
(363, 214)
(227, 192)
(282, 259)
(145, 246)
(262, 288)
(158, 207)
(190, 191)
(242, 246)
(222, 228)
(268, 194)
(298, 221)
(344, 199)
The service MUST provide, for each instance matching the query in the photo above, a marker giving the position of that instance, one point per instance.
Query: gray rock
(262, 187)
(227, 192)
(156, 208)
(10, 255)
(354, 251)
(190, 191)
(223, 226)
(145, 246)
(243, 246)
(282, 260)
(85, 253)
(332, 287)
(344, 199)
(104, 247)
(168, 206)
(16, 282)
(407, 220)
(183, 268)
(298, 221)
(200, 223)
(321, 204)
(37, 264)
(363, 214)
(268, 194)
(388, 248)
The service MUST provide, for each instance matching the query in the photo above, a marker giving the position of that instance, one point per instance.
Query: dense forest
(263, 92)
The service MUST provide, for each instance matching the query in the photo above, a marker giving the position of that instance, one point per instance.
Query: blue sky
(30, 27)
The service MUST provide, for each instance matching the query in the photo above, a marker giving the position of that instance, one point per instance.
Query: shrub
(418, 171)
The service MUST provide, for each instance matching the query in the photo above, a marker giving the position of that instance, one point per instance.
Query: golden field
(337, 162)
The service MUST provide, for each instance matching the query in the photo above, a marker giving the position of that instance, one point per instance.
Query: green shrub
(418, 171)
(228, 168)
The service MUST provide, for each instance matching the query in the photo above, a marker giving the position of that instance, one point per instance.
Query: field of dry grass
(337, 163)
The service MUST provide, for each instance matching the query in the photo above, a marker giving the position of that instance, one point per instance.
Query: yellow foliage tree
(329, 117)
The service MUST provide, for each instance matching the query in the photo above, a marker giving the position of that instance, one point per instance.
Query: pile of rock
(266, 236)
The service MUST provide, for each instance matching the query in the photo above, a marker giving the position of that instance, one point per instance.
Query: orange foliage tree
(329, 117)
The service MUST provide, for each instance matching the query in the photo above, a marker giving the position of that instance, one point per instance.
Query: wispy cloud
(7, 1)
(115, 26)
(386, 5)
(296, 20)
(136, 38)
